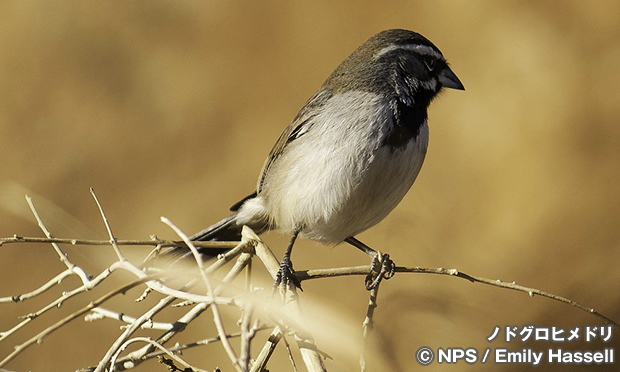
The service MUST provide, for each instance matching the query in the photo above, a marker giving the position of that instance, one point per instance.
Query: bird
(351, 153)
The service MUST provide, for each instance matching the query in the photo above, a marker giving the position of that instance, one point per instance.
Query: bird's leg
(385, 271)
(286, 274)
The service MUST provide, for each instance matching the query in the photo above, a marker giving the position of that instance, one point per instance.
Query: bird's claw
(286, 276)
(381, 267)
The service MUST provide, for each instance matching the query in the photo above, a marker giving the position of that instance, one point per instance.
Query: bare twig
(39, 337)
(100, 313)
(130, 358)
(50, 283)
(203, 302)
(65, 296)
(63, 256)
(265, 354)
(289, 353)
(153, 242)
(308, 349)
(363, 270)
(162, 304)
(287, 319)
(217, 317)
(160, 347)
(246, 336)
(108, 227)
(368, 324)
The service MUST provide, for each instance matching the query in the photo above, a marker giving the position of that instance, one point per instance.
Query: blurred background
(169, 109)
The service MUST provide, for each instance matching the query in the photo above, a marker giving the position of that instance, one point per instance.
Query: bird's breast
(342, 177)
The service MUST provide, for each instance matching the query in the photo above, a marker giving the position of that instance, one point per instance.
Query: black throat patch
(406, 123)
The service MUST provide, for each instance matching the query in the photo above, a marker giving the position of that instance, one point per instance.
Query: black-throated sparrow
(351, 153)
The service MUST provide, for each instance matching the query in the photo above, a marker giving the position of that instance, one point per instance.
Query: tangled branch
(284, 316)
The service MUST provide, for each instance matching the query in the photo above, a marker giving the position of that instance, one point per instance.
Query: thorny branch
(217, 316)
(285, 317)
(108, 227)
(157, 346)
(39, 337)
(368, 324)
(363, 270)
(152, 242)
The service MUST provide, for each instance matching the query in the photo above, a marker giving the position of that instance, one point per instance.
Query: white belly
(337, 180)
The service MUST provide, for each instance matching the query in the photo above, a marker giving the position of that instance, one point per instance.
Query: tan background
(169, 108)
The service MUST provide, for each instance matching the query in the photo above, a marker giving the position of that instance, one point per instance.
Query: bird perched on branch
(351, 153)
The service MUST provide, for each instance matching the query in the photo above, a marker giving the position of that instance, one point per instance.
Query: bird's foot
(286, 276)
(381, 267)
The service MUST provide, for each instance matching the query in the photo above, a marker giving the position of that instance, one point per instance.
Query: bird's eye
(430, 63)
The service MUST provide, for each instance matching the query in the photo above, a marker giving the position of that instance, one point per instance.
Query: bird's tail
(225, 230)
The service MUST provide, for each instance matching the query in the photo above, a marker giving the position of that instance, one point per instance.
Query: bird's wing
(298, 127)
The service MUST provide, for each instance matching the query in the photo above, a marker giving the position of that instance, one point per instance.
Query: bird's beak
(448, 79)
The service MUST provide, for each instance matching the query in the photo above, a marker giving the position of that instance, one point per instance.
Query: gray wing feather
(298, 127)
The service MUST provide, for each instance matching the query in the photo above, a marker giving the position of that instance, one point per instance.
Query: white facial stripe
(420, 49)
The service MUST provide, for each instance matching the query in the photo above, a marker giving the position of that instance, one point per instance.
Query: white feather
(339, 178)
